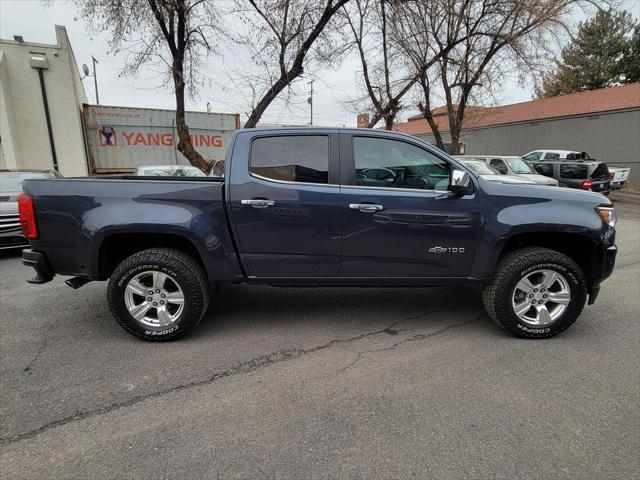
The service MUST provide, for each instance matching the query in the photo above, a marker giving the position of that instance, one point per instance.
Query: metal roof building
(604, 123)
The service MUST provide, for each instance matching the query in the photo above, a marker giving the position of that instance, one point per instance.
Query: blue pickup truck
(321, 207)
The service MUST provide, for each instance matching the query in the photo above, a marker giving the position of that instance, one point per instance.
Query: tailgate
(600, 185)
(621, 175)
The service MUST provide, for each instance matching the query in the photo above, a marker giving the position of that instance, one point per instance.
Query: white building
(34, 132)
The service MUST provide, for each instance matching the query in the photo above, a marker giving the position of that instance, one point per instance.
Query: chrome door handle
(366, 207)
(258, 203)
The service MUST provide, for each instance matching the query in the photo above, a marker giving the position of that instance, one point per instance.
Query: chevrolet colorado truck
(321, 207)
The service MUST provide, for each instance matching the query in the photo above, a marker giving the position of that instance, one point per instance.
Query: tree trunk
(434, 128)
(425, 109)
(375, 119)
(455, 126)
(184, 141)
(388, 115)
(455, 141)
(271, 94)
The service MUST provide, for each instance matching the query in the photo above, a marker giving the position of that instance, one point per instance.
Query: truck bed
(75, 216)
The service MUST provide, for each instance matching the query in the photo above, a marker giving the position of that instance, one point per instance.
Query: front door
(284, 207)
(398, 220)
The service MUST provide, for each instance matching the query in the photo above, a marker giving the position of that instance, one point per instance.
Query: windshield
(481, 168)
(519, 166)
(12, 181)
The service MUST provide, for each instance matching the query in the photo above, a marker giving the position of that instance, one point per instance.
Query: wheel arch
(116, 247)
(582, 249)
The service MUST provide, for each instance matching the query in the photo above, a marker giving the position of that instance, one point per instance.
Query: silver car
(169, 171)
(485, 171)
(10, 187)
(511, 165)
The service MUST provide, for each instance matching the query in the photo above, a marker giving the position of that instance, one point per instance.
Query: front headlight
(608, 215)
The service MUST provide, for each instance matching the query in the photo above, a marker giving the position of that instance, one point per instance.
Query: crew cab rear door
(398, 221)
(284, 203)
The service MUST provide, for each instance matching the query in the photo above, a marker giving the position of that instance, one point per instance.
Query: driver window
(381, 162)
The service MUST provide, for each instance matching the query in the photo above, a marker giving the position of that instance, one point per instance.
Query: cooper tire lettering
(182, 269)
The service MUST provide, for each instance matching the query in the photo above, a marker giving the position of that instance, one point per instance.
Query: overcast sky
(332, 88)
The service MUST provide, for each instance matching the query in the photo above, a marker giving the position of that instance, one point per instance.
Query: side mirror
(461, 183)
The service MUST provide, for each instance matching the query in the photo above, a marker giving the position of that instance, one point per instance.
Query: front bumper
(609, 261)
(38, 261)
(619, 185)
(606, 268)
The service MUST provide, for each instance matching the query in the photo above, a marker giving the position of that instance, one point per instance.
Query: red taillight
(586, 185)
(27, 216)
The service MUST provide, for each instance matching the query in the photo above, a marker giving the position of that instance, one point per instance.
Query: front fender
(512, 217)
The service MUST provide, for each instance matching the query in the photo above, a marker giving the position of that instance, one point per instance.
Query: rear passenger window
(552, 156)
(299, 158)
(574, 171)
(543, 169)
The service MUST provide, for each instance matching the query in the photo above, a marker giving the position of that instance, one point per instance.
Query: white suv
(538, 155)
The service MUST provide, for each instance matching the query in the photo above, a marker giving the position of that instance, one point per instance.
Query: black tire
(182, 270)
(497, 296)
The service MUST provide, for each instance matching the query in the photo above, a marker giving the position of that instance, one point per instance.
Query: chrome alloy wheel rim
(541, 297)
(154, 299)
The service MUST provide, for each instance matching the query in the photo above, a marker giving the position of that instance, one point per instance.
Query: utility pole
(310, 101)
(95, 79)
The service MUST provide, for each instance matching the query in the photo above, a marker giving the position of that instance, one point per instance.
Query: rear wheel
(158, 294)
(535, 293)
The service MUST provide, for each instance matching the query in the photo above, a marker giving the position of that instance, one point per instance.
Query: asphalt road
(320, 383)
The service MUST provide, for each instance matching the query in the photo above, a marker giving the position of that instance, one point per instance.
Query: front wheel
(535, 293)
(158, 294)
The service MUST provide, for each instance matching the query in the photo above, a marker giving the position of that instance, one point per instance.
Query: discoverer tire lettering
(517, 264)
(182, 269)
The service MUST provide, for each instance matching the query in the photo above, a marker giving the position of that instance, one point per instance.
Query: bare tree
(280, 36)
(174, 34)
(394, 42)
(385, 80)
(514, 33)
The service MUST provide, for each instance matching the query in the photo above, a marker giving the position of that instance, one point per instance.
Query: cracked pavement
(319, 383)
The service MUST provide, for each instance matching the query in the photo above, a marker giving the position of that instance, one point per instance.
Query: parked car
(549, 155)
(619, 177)
(513, 166)
(586, 175)
(169, 171)
(218, 169)
(479, 167)
(10, 187)
(367, 208)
